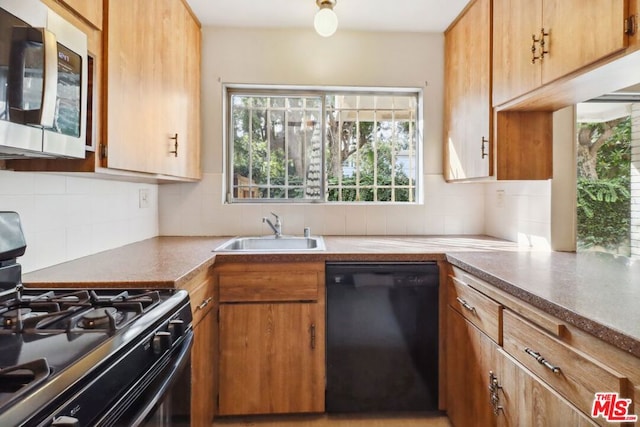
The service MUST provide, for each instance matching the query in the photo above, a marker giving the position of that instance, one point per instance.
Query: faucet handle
(277, 218)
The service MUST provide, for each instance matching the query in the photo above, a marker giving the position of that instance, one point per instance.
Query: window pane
(361, 147)
(606, 192)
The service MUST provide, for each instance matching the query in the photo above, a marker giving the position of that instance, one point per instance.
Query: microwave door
(66, 134)
(16, 139)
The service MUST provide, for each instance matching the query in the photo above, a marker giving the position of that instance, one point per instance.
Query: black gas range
(90, 357)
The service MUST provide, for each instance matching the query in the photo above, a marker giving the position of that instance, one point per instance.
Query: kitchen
(67, 217)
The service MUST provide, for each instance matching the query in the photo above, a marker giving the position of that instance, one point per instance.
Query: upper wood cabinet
(517, 145)
(538, 41)
(145, 81)
(467, 122)
(153, 88)
(90, 10)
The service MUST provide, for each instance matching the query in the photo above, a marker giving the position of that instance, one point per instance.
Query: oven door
(149, 401)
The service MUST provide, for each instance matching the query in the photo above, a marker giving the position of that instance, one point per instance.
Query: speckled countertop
(597, 293)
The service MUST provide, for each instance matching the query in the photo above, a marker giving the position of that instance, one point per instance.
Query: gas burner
(100, 318)
(13, 317)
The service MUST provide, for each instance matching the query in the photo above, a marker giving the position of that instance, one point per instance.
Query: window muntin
(323, 146)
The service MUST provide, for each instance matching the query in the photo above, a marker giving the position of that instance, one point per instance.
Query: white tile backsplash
(522, 214)
(197, 209)
(66, 217)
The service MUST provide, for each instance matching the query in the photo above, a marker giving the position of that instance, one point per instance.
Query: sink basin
(271, 244)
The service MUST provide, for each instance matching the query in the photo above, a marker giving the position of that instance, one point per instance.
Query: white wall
(65, 217)
(539, 214)
(301, 57)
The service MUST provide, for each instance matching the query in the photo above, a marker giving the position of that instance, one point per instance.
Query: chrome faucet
(277, 227)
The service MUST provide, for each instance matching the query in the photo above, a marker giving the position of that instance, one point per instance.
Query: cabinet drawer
(571, 373)
(479, 309)
(264, 286)
(202, 299)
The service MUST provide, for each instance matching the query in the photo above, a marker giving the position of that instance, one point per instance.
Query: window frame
(230, 89)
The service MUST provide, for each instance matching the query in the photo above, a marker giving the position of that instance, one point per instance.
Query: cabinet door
(182, 103)
(202, 372)
(271, 358)
(153, 85)
(467, 96)
(580, 33)
(514, 22)
(91, 10)
(134, 92)
(470, 357)
(527, 401)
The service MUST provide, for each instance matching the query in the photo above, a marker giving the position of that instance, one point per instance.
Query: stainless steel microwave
(43, 83)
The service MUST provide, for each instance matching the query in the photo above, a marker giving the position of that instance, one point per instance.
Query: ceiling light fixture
(325, 21)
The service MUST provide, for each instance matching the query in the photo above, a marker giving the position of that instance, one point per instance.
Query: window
(322, 146)
(608, 188)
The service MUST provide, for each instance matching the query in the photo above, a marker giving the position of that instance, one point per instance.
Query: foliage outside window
(322, 146)
(603, 187)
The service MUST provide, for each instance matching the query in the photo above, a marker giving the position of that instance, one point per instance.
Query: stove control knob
(176, 328)
(65, 422)
(161, 342)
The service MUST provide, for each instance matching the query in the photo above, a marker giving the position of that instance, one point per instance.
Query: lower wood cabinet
(271, 359)
(271, 354)
(487, 387)
(202, 293)
(203, 372)
(523, 400)
(470, 358)
(487, 383)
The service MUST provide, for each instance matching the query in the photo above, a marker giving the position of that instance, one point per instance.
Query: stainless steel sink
(272, 244)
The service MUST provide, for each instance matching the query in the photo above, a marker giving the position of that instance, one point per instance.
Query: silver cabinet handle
(494, 398)
(204, 303)
(541, 360)
(466, 304)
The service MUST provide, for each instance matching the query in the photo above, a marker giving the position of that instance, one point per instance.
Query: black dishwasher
(382, 337)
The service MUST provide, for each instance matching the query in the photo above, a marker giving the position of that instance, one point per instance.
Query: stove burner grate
(73, 311)
(102, 317)
(11, 318)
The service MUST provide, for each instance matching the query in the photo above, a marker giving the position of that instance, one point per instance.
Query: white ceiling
(373, 15)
